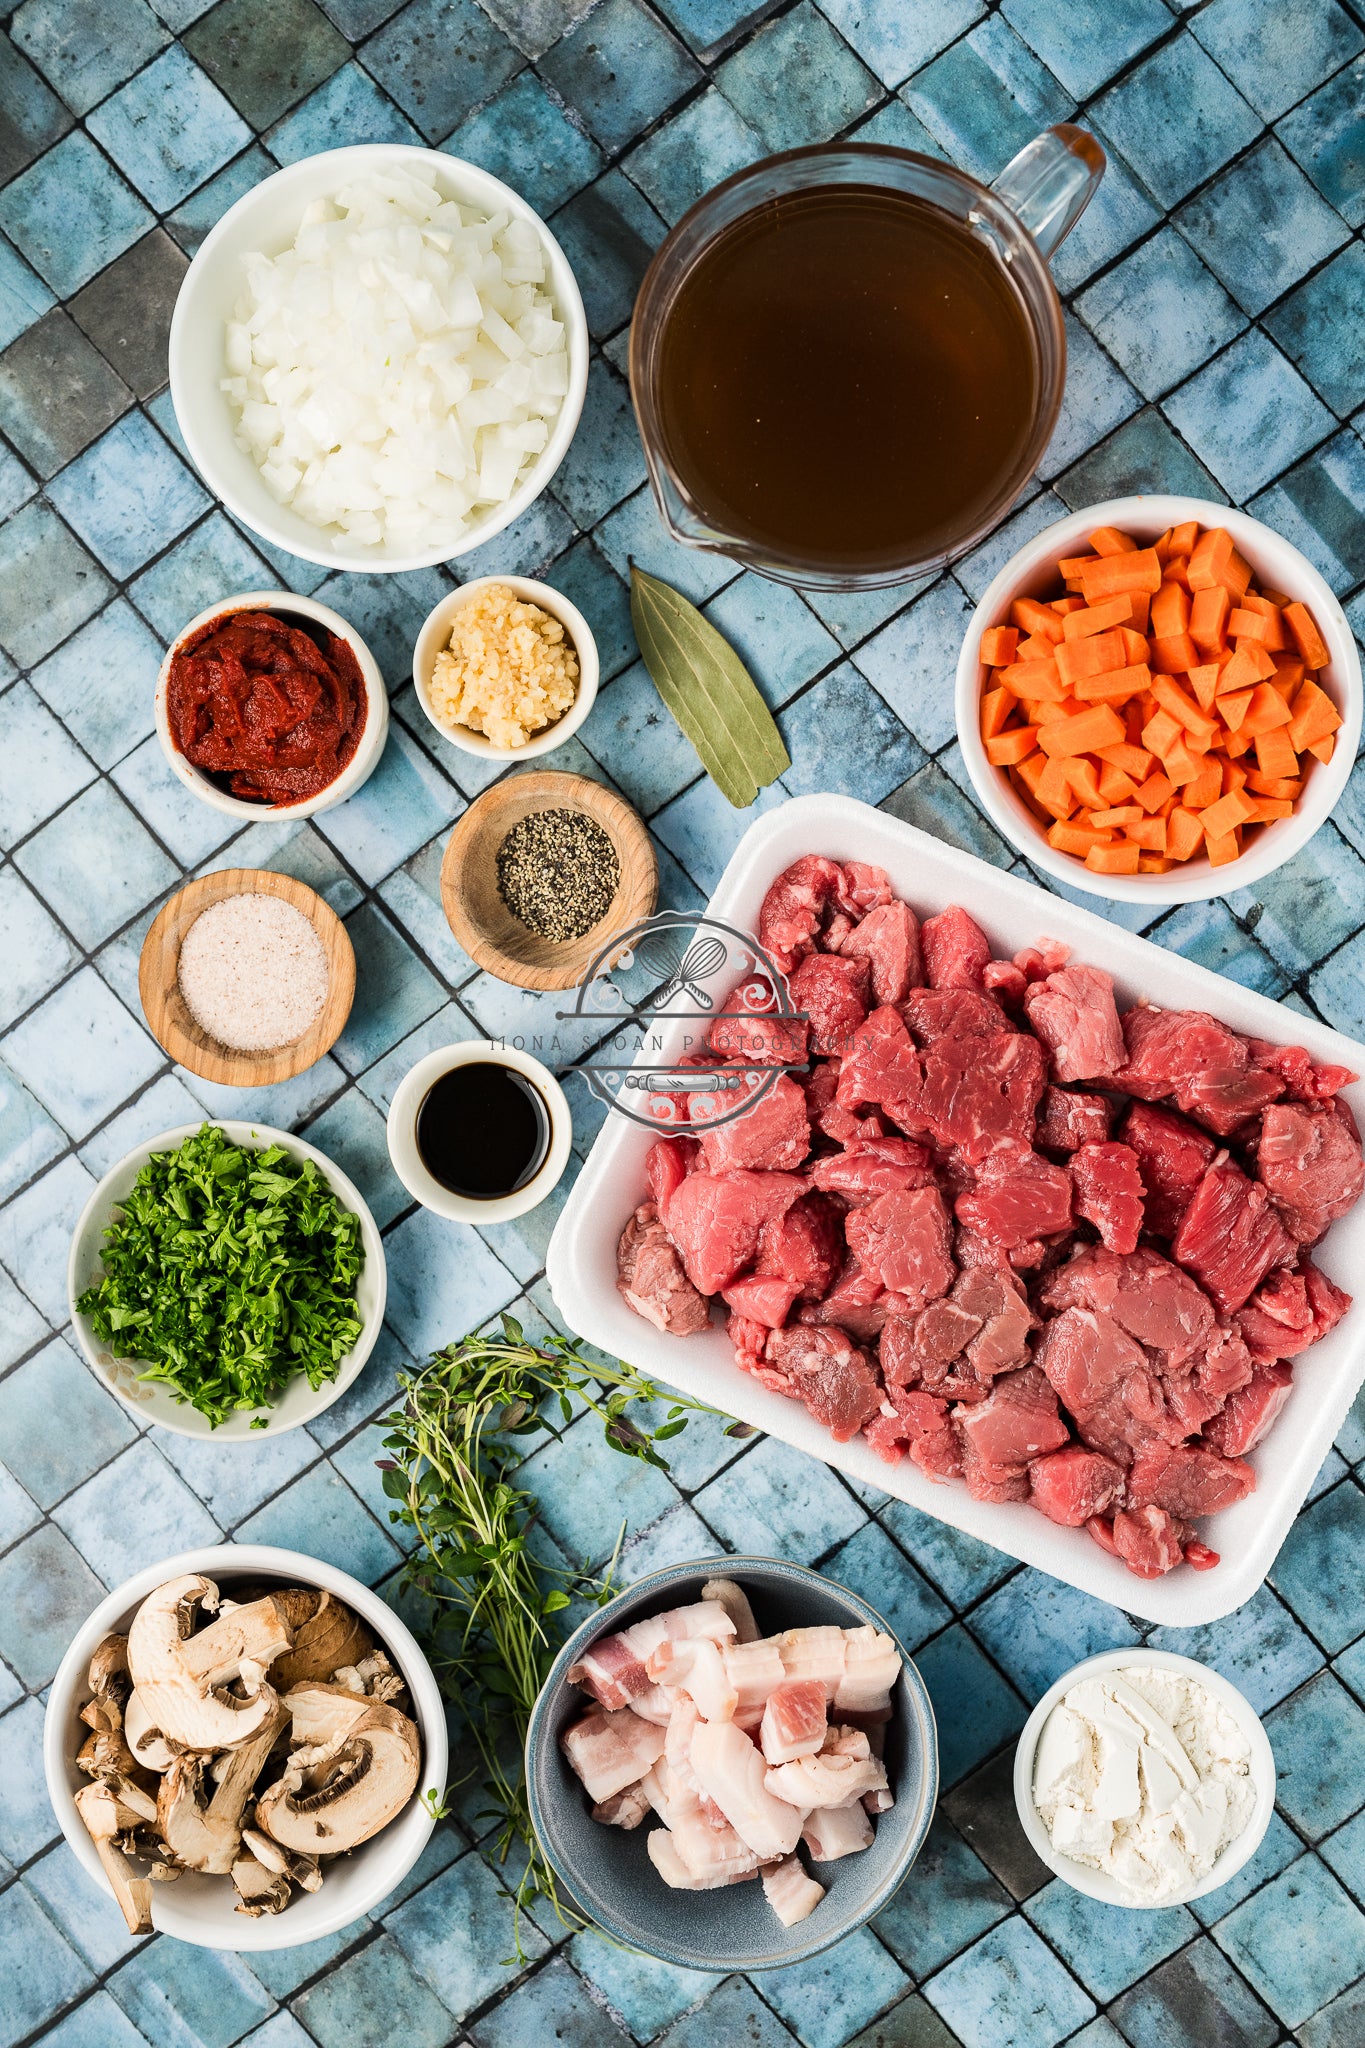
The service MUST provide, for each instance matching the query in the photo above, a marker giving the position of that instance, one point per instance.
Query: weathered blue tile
(1144, 455)
(97, 2023)
(321, 1515)
(1177, 119)
(825, 86)
(211, 563)
(21, 1328)
(394, 991)
(1274, 57)
(442, 1281)
(1108, 1947)
(1316, 505)
(1261, 1649)
(179, 1994)
(951, 1900)
(347, 108)
(1097, 399)
(116, 1544)
(1280, 1848)
(48, 1461)
(68, 863)
(35, 1234)
(110, 721)
(870, 1563)
(128, 496)
(285, 1105)
(283, 1970)
(776, 1499)
(188, 827)
(586, 577)
(896, 40)
(86, 1914)
(1036, 1628)
(638, 741)
(29, 1138)
(977, 1710)
(1086, 51)
(842, 736)
(1319, 1755)
(587, 1490)
(977, 570)
(604, 461)
(1338, 2025)
(647, 1994)
(351, 1131)
(1118, 215)
(1160, 313)
(203, 209)
(622, 72)
(986, 97)
(18, 1511)
(403, 803)
(48, 1590)
(455, 1931)
(1337, 988)
(16, 487)
(1309, 905)
(410, 57)
(1344, 1853)
(57, 393)
(677, 1537)
(358, 2000)
(1008, 1987)
(1248, 414)
(41, 767)
(41, 1973)
(229, 1485)
(293, 849)
(1208, 933)
(734, 2013)
(1321, 328)
(1295, 1977)
(1324, 136)
(27, 1822)
(413, 896)
(1265, 210)
(701, 829)
(24, 298)
(609, 233)
(87, 47)
(912, 661)
(1195, 1998)
(705, 143)
(853, 615)
(551, 2006)
(81, 1053)
(169, 129)
(826, 2000)
(34, 117)
(73, 181)
(935, 801)
(960, 1566)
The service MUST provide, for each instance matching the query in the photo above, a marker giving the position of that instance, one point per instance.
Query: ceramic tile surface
(1216, 324)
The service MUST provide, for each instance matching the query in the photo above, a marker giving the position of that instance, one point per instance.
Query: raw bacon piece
(732, 1772)
(834, 1831)
(754, 1669)
(733, 1598)
(663, 1854)
(1109, 1193)
(610, 1751)
(955, 949)
(888, 938)
(1072, 1485)
(832, 1778)
(613, 1671)
(794, 1720)
(1231, 1235)
(818, 1653)
(1074, 1013)
(872, 1665)
(695, 1666)
(623, 1810)
(791, 1891)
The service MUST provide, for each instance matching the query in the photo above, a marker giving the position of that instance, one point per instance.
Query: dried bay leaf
(706, 686)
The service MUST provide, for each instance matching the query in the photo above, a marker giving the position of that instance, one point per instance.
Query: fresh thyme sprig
(492, 1603)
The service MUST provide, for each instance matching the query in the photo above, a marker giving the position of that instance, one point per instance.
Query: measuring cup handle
(1051, 181)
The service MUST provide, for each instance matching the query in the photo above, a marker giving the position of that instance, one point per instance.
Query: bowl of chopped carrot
(1158, 699)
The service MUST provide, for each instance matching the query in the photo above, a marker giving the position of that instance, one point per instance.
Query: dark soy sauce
(483, 1130)
(845, 377)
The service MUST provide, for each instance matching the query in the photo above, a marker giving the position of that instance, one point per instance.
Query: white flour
(1142, 1773)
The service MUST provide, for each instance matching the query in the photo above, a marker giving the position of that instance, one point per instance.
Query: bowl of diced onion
(378, 357)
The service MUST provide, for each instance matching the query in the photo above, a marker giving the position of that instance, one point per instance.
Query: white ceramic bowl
(435, 635)
(1095, 1883)
(267, 219)
(200, 1909)
(1275, 563)
(373, 733)
(407, 1160)
(154, 1403)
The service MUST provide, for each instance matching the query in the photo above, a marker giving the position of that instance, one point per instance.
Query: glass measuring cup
(1018, 221)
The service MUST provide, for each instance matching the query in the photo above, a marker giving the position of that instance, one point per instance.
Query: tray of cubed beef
(1037, 1225)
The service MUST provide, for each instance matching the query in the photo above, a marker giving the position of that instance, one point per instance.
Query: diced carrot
(1161, 733)
(1064, 606)
(1037, 679)
(1134, 761)
(1183, 537)
(1141, 602)
(1175, 654)
(1204, 683)
(1276, 754)
(1136, 646)
(1031, 771)
(1266, 711)
(1307, 638)
(1323, 750)
(1242, 671)
(1116, 687)
(1149, 833)
(1155, 791)
(1237, 743)
(1215, 563)
(1053, 787)
(1274, 785)
(1037, 647)
(1092, 657)
(1115, 786)
(1032, 617)
(1100, 726)
(1026, 795)
(1221, 851)
(1208, 619)
(1268, 808)
(1121, 814)
(996, 706)
(1287, 689)
(1135, 569)
(1043, 713)
(1172, 698)
(1113, 860)
(1232, 709)
(1154, 864)
(1170, 611)
(1163, 546)
(1226, 815)
(1072, 567)
(1180, 764)
(1009, 748)
(1258, 655)
(1184, 833)
(1206, 788)
(1200, 742)
(1083, 778)
(998, 645)
(1315, 715)
(1234, 776)
(1089, 619)
(1107, 540)
(1076, 838)
(1248, 623)
(1289, 668)
(1134, 718)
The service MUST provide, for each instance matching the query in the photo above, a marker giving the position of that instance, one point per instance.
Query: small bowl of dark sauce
(479, 1132)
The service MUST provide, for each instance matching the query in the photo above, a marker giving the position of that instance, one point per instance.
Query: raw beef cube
(793, 907)
(1304, 1079)
(715, 1220)
(1224, 1098)
(996, 1297)
(1071, 1485)
(1197, 1389)
(1017, 1196)
(888, 938)
(862, 887)
(1003, 979)
(978, 1092)
(834, 1831)
(880, 1065)
(833, 992)
(1146, 1295)
(791, 1891)
(873, 1166)
(610, 1751)
(772, 1134)
(1247, 1415)
(1074, 1014)
(1310, 1163)
(831, 939)
(804, 1245)
(761, 1298)
(1328, 1302)
(749, 1339)
(1149, 1541)
(1108, 1193)
(651, 1278)
(1316, 1306)
(731, 1771)
(667, 1166)
(925, 1427)
(753, 1028)
(1231, 1236)
(794, 1720)
(935, 1013)
(857, 1302)
(1103, 1378)
(1002, 1435)
(955, 949)
(1071, 1119)
(831, 1375)
(906, 1241)
(1187, 1480)
(1167, 1048)
(1172, 1154)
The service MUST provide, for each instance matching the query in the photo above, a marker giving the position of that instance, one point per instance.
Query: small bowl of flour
(1144, 1779)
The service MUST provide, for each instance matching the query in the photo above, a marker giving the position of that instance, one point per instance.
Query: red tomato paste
(273, 710)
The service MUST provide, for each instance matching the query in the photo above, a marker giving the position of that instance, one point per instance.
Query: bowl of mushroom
(245, 1747)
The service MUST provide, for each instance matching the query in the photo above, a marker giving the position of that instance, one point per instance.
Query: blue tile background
(1216, 322)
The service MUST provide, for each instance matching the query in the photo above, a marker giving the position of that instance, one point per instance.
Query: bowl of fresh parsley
(226, 1280)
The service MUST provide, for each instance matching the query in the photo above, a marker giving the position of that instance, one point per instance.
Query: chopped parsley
(227, 1270)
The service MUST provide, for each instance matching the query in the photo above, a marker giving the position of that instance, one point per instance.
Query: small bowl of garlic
(505, 667)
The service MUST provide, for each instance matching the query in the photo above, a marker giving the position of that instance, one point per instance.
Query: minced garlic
(508, 671)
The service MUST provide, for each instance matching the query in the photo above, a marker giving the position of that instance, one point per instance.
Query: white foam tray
(1013, 913)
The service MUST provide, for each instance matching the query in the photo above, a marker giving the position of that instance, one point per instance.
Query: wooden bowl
(168, 1015)
(479, 918)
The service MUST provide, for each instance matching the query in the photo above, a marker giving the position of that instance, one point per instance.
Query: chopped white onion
(395, 374)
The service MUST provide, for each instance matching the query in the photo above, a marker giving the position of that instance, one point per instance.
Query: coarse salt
(253, 972)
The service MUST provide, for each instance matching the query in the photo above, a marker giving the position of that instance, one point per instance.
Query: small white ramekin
(201, 1909)
(408, 1164)
(373, 733)
(1095, 1883)
(1276, 563)
(435, 634)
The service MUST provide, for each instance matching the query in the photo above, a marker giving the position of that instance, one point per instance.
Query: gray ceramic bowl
(608, 1871)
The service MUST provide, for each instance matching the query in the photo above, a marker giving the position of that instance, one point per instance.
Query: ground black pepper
(557, 873)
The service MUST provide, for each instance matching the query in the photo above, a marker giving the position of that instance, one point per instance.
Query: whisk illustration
(702, 957)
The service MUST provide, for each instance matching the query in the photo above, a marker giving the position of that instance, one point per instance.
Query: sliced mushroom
(204, 1834)
(259, 1890)
(143, 1737)
(322, 1713)
(302, 1869)
(108, 1759)
(105, 1818)
(374, 1676)
(333, 1797)
(109, 1683)
(328, 1637)
(183, 1678)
